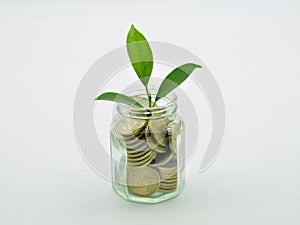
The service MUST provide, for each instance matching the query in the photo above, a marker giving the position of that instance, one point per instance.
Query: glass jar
(147, 149)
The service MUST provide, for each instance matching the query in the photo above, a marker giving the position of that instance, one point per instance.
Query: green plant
(141, 58)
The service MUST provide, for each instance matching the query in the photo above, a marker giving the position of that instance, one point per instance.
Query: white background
(253, 50)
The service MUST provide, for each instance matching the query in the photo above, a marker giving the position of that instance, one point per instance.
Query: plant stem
(149, 96)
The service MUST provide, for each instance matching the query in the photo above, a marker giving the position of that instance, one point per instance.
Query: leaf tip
(197, 65)
(98, 98)
(132, 28)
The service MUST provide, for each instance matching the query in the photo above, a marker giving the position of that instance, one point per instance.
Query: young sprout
(141, 58)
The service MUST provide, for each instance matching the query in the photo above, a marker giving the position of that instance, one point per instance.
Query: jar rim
(168, 103)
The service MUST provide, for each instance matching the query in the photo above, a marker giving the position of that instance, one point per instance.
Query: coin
(166, 188)
(141, 162)
(169, 171)
(132, 158)
(136, 144)
(173, 132)
(142, 181)
(163, 190)
(170, 166)
(153, 144)
(168, 185)
(126, 128)
(163, 158)
(169, 178)
(157, 148)
(167, 174)
(136, 154)
(142, 156)
(157, 130)
(138, 131)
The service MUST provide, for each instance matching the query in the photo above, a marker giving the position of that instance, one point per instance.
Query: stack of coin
(158, 135)
(173, 132)
(138, 152)
(132, 132)
(168, 176)
(151, 149)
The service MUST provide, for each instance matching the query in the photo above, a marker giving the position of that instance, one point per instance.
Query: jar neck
(164, 108)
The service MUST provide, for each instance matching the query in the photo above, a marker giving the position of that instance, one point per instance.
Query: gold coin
(136, 154)
(138, 132)
(173, 132)
(137, 151)
(166, 170)
(158, 131)
(162, 159)
(154, 145)
(166, 190)
(136, 144)
(157, 148)
(168, 185)
(171, 171)
(142, 147)
(168, 173)
(171, 164)
(138, 159)
(126, 128)
(169, 178)
(142, 181)
(143, 162)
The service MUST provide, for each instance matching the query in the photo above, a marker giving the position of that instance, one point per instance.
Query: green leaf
(140, 54)
(120, 98)
(174, 79)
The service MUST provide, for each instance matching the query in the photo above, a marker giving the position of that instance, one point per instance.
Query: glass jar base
(122, 191)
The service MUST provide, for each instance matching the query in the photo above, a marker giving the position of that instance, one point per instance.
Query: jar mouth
(164, 106)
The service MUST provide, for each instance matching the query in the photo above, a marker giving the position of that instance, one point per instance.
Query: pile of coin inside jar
(151, 153)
